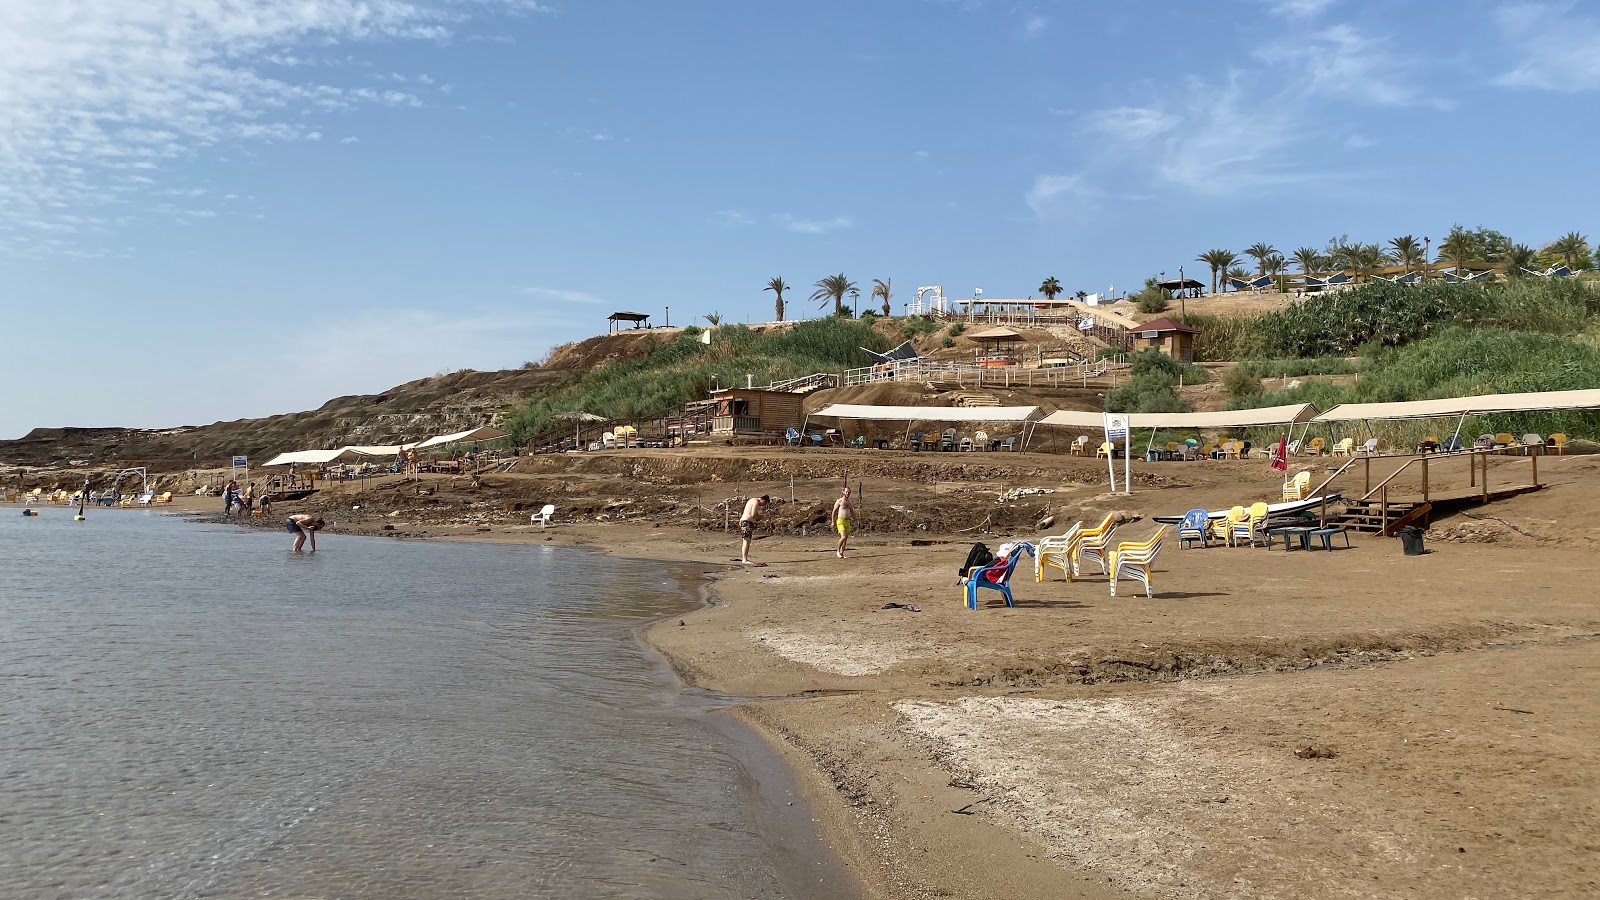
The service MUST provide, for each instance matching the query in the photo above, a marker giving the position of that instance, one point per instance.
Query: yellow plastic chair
(1080, 447)
(1105, 450)
(1252, 526)
(1297, 487)
(1223, 527)
(1559, 441)
(1092, 544)
(1343, 448)
(1134, 560)
(1314, 447)
(1503, 441)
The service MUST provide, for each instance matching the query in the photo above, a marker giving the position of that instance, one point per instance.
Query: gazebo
(616, 319)
(996, 346)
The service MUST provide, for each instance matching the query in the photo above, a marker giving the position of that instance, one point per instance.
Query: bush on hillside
(671, 373)
(957, 328)
(1291, 368)
(1223, 337)
(1152, 392)
(1240, 382)
(919, 326)
(1152, 300)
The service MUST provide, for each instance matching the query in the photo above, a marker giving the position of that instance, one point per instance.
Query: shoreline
(1267, 719)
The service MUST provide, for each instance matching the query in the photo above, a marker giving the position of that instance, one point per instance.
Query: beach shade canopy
(901, 353)
(313, 457)
(1485, 404)
(1001, 334)
(1177, 284)
(481, 433)
(1232, 418)
(927, 413)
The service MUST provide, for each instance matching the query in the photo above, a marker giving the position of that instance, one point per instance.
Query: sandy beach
(1271, 723)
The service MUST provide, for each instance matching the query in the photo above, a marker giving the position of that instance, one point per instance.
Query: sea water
(190, 710)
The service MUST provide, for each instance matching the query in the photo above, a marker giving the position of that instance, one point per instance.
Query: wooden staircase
(1372, 517)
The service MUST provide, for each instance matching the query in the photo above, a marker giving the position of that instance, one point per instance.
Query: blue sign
(241, 462)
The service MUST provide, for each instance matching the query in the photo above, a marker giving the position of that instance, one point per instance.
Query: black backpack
(979, 555)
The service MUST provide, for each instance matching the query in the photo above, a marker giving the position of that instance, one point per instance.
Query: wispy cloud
(1051, 194)
(732, 218)
(564, 296)
(1298, 9)
(814, 226)
(1556, 50)
(1035, 24)
(94, 89)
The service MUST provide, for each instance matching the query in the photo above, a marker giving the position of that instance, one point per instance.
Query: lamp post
(1427, 263)
(855, 303)
(1183, 308)
(668, 318)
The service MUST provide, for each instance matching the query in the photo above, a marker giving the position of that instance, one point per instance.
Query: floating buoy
(78, 518)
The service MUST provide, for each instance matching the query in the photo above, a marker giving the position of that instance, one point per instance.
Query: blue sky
(214, 209)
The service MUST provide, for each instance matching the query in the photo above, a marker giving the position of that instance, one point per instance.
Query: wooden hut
(753, 411)
(1171, 338)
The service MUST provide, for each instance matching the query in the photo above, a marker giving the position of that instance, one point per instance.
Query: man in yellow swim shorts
(841, 519)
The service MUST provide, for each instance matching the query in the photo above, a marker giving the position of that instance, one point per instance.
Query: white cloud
(732, 218)
(814, 226)
(1298, 9)
(93, 87)
(350, 140)
(1557, 51)
(1050, 193)
(565, 296)
(1035, 24)
(1131, 123)
(1345, 63)
(921, 154)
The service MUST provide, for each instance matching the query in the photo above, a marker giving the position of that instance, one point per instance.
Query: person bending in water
(747, 524)
(841, 519)
(300, 525)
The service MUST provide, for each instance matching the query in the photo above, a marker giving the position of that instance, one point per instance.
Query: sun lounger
(1056, 550)
(1134, 561)
(977, 576)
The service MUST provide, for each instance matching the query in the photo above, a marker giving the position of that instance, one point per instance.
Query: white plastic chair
(542, 517)
(1056, 550)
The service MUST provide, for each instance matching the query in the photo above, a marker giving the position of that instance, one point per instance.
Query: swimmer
(300, 525)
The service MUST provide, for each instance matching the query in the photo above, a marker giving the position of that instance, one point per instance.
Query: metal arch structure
(144, 479)
(917, 308)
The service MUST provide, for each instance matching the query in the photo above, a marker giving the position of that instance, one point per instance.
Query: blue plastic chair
(1194, 527)
(975, 576)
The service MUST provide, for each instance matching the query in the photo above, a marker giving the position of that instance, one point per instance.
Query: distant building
(1171, 338)
(753, 411)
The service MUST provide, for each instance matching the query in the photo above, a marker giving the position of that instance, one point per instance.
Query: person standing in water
(747, 524)
(300, 525)
(842, 512)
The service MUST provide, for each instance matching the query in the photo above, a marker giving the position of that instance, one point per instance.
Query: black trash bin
(1411, 540)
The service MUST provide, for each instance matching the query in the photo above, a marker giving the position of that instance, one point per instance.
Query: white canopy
(927, 413)
(1233, 418)
(1537, 401)
(312, 457)
(481, 433)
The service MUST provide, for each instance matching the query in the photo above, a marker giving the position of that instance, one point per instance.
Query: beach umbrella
(1280, 456)
(578, 419)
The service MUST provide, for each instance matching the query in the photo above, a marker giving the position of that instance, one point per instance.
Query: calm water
(190, 711)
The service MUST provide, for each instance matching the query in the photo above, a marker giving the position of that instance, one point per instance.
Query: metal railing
(922, 370)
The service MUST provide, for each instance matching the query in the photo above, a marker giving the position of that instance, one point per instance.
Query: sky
(219, 209)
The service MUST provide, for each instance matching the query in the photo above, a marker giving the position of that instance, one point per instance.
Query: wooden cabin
(1171, 338)
(752, 411)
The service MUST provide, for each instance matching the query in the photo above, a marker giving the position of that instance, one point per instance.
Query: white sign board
(241, 462)
(1117, 430)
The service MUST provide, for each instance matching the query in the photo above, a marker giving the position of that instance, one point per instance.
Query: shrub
(1290, 368)
(1241, 381)
(1223, 337)
(947, 341)
(1152, 300)
(1150, 392)
(919, 326)
(957, 328)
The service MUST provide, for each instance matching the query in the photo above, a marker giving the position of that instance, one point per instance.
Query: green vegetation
(833, 287)
(920, 326)
(1220, 261)
(880, 291)
(1222, 337)
(1050, 287)
(777, 287)
(947, 342)
(1464, 362)
(957, 328)
(1390, 314)
(1153, 385)
(1292, 368)
(672, 373)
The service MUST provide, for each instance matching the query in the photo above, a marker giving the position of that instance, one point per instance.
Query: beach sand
(1270, 724)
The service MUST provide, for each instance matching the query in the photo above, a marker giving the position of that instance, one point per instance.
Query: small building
(753, 411)
(615, 320)
(1171, 338)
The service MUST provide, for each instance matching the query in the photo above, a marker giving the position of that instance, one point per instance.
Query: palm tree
(1458, 247)
(1239, 272)
(1219, 261)
(1572, 247)
(880, 288)
(1308, 259)
(1365, 258)
(834, 287)
(1082, 295)
(715, 318)
(777, 287)
(1273, 264)
(1259, 251)
(1050, 288)
(1519, 259)
(1407, 251)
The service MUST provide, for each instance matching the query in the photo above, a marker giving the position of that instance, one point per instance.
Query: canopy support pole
(1459, 425)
